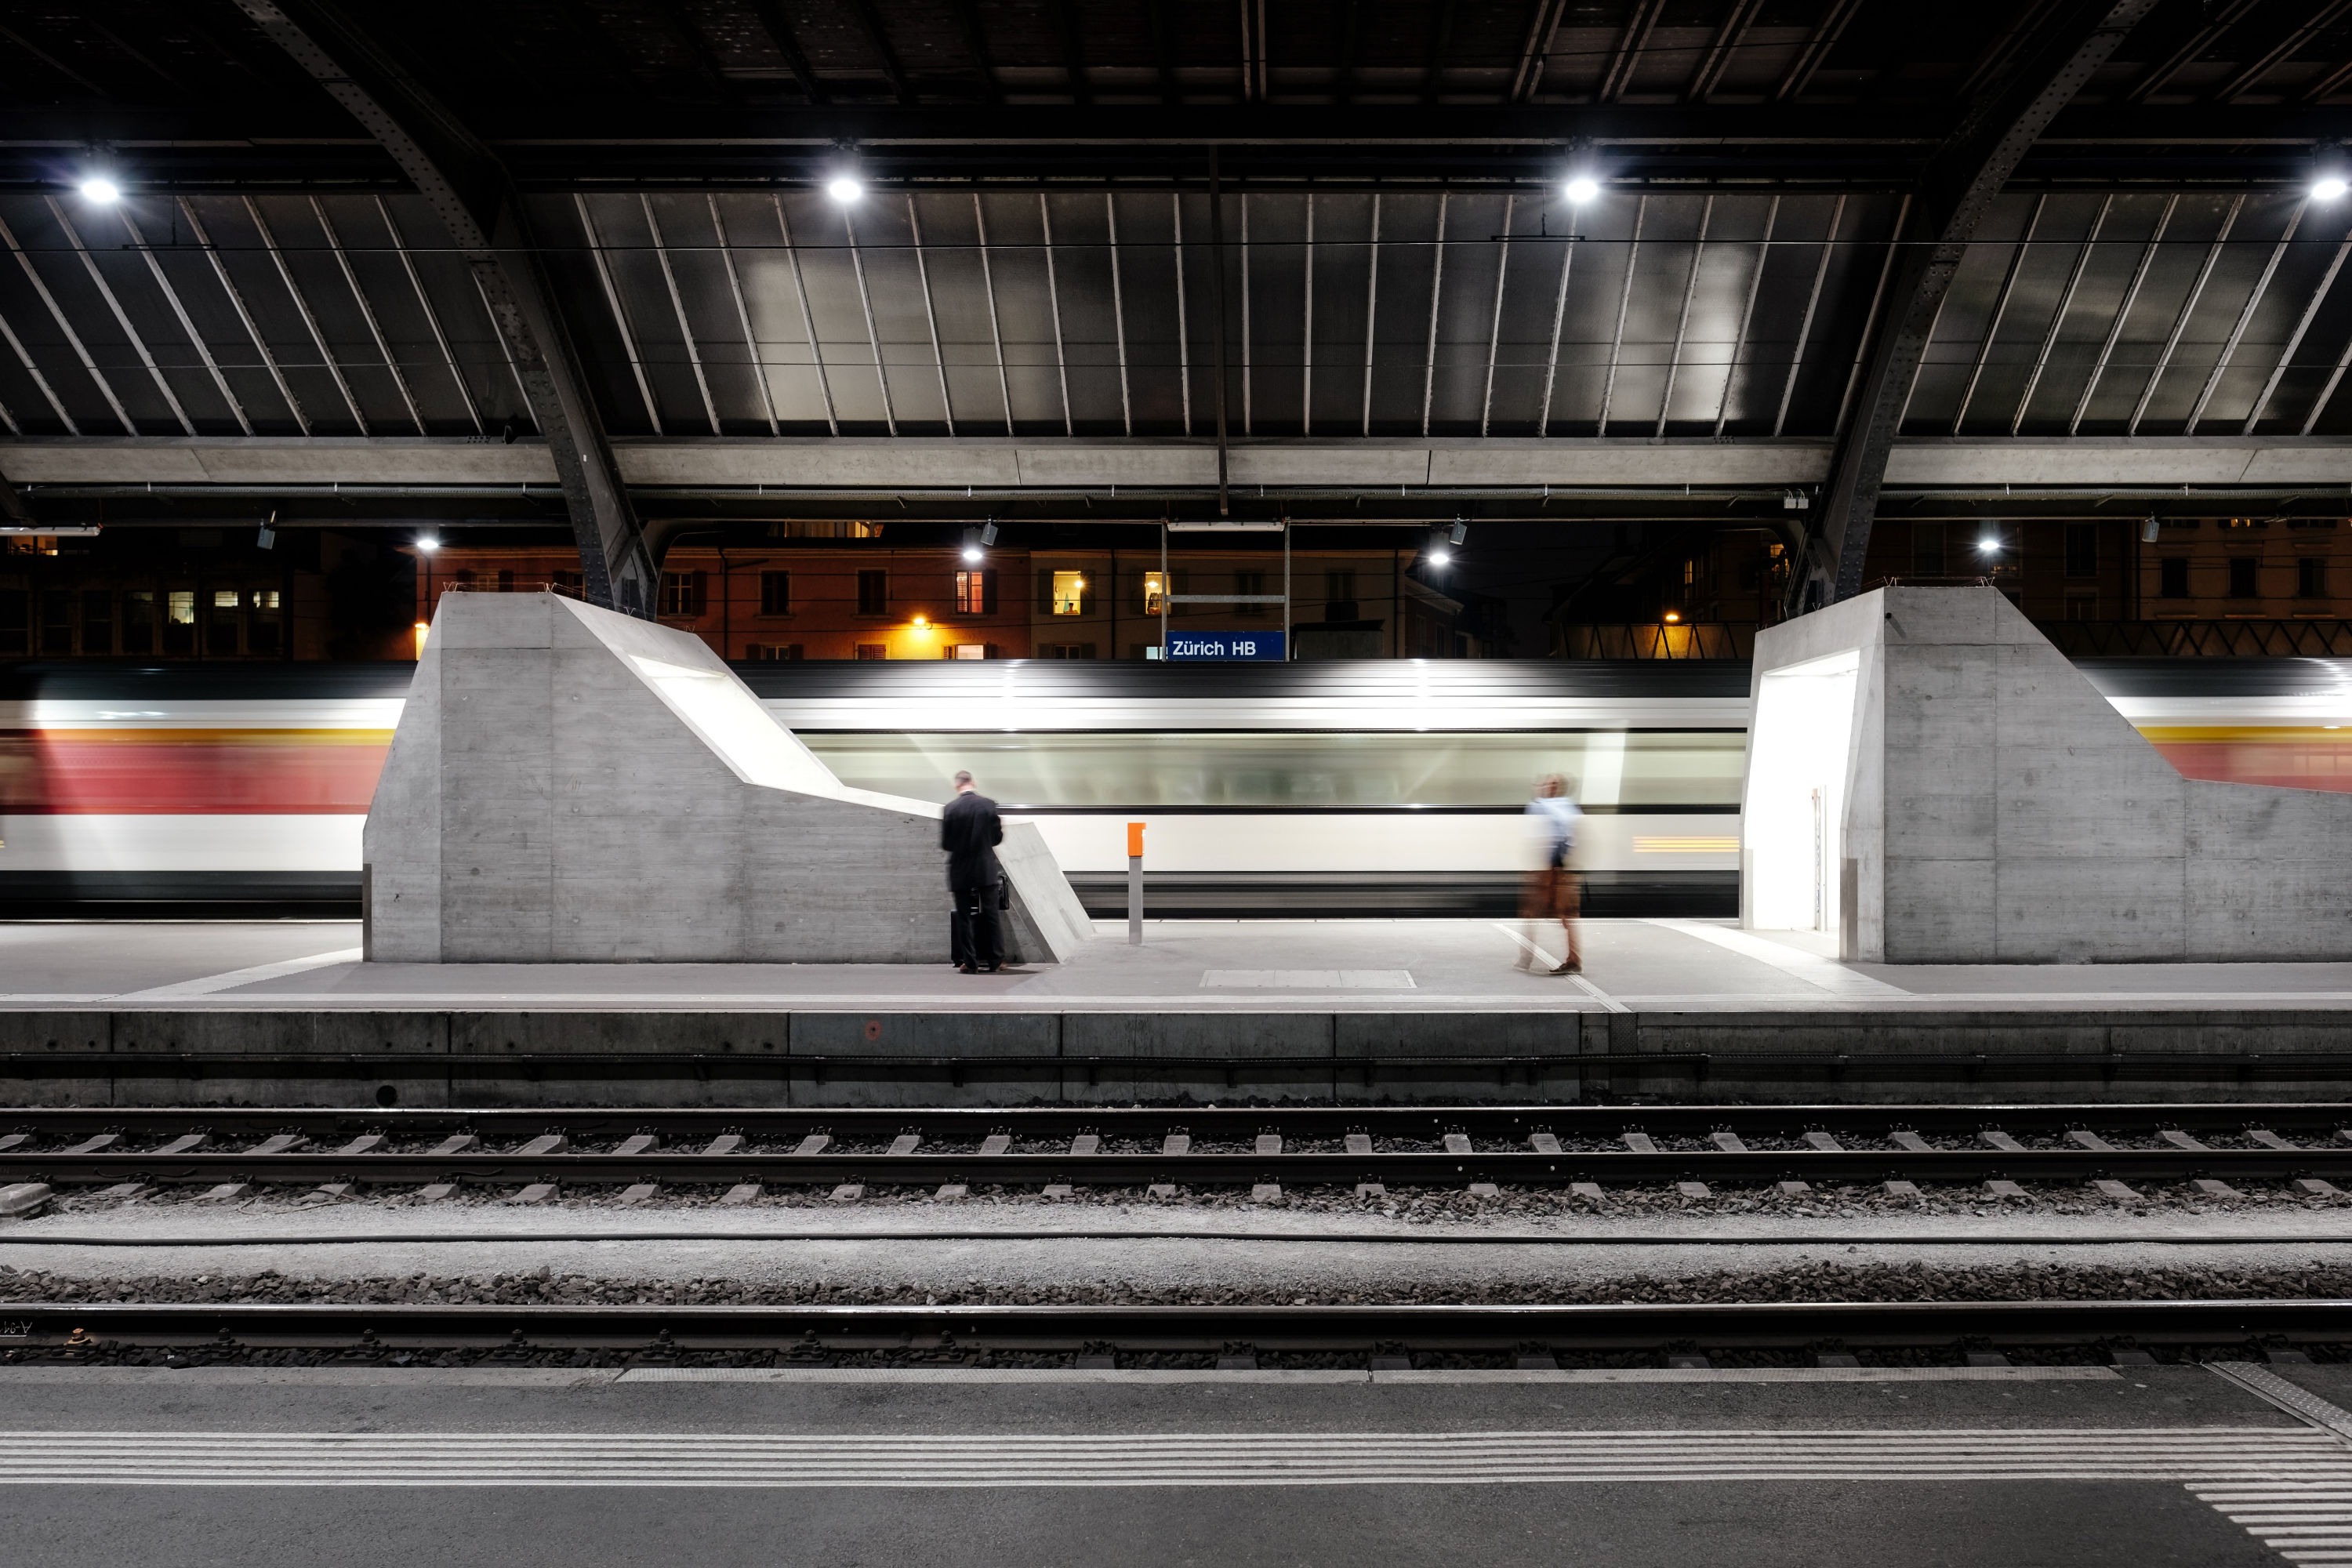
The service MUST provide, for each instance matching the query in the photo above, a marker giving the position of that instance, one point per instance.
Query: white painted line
(2201, 1457)
(985, 1375)
(1550, 963)
(1822, 972)
(236, 977)
(1763, 1375)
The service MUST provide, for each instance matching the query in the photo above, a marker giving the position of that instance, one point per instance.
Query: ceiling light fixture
(100, 189)
(1581, 188)
(428, 543)
(845, 188)
(2328, 182)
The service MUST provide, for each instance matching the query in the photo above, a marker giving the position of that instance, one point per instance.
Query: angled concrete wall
(570, 784)
(1988, 806)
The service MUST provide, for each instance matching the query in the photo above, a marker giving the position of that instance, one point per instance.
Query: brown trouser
(1551, 894)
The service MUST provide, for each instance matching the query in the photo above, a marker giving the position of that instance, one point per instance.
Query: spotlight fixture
(988, 533)
(428, 543)
(973, 554)
(1459, 532)
(1672, 617)
(266, 537)
(100, 189)
(2328, 182)
(1793, 499)
(1580, 189)
(2149, 529)
(845, 188)
(1988, 545)
(1437, 554)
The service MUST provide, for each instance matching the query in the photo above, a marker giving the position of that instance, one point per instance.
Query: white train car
(1320, 788)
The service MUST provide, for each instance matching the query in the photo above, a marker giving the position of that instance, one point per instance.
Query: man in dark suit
(970, 831)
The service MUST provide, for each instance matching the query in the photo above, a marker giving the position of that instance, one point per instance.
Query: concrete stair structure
(571, 785)
(1929, 781)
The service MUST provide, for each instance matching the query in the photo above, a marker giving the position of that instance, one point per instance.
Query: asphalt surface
(1023, 1495)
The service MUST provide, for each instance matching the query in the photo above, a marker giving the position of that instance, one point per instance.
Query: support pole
(1135, 884)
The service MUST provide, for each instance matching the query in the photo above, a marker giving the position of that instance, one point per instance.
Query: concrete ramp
(571, 785)
(1930, 781)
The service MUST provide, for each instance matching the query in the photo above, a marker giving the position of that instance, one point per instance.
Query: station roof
(1035, 257)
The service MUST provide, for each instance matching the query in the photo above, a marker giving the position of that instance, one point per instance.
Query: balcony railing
(1680, 639)
(2316, 637)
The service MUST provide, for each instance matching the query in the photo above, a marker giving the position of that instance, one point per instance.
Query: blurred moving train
(1321, 789)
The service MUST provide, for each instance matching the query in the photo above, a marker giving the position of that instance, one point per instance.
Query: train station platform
(151, 1014)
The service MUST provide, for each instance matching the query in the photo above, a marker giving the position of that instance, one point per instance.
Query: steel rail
(474, 1065)
(934, 1333)
(1510, 1121)
(1623, 1168)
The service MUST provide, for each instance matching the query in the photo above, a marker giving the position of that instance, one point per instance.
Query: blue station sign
(1225, 645)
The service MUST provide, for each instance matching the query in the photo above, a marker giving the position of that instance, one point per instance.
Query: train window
(139, 621)
(1069, 592)
(1279, 770)
(775, 592)
(2172, 577)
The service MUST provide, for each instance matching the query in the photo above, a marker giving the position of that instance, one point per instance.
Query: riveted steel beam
(476, 200)
(1957, 189)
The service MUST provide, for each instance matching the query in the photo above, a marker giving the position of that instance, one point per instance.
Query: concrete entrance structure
(570, 784)
(1929, 781)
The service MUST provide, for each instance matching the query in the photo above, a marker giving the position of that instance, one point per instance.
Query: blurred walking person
(970, 831)
(1551, 891)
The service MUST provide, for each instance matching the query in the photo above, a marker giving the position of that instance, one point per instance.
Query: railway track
(1168, 1149)
(1527, 1337)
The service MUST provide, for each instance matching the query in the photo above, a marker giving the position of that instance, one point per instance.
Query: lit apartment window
(180, 621)
(1155, 592)
(975, 593)
(968, 650)
(1069, 596)
(775, 592)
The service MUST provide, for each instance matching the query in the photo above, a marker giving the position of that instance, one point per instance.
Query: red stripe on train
(133, 772)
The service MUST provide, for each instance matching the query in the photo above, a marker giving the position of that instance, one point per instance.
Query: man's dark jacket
(970, 831)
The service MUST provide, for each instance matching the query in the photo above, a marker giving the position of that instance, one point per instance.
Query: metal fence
(2201, 639)
(1694, 640)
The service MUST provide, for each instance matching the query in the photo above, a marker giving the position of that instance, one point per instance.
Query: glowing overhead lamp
(1672, 617)
(1988, 544)
(100, 189)
(1580, 189)
(973, 555)
(428, 543)
(2328, 175)
(845, 188)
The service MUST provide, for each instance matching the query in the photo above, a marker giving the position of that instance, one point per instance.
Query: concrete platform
(162, 1013)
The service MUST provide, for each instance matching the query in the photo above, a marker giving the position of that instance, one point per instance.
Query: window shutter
(988, 591)
(695, 592)
(1044, 601)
